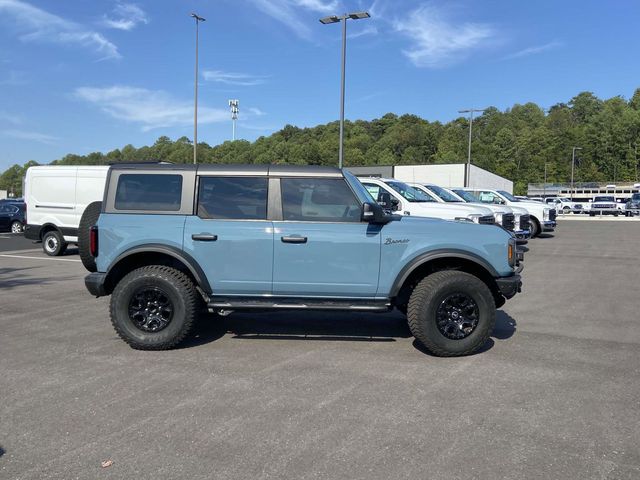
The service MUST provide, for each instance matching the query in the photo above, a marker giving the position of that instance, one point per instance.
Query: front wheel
(534, 227)
(53, 243)
(451, 313)
(154, 307)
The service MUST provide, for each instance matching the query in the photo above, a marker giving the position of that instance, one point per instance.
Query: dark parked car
(12, 216)
(632, 206)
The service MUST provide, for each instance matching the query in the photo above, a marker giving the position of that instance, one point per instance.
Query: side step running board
(298, 304)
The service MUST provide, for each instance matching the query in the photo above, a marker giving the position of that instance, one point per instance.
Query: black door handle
(294, 239)
(204, 237)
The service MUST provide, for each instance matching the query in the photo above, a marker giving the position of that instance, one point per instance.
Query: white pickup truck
(565, 205)
(542, 217)
(406, 200)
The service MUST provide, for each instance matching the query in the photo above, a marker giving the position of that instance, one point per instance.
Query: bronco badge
(392, 241)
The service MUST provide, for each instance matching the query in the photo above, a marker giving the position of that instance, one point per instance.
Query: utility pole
(573, 166)
(343, 19)
(544, 185)
(198, 19)
(234, 105)
(470, 111)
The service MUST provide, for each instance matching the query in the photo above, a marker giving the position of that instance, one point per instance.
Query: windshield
(508, 196)
(444, 194)
(409, 193)
(466, 196)
(636, 197)
(604, 199)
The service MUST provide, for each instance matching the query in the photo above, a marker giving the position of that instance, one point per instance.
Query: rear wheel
(154, 307)
(451, 313)
(53, 243)
(88, 220)
(16, 227)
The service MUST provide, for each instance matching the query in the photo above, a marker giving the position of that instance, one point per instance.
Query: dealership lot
(299, 395)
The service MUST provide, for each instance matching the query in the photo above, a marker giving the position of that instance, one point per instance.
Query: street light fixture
(573, 163)
(343, 19)
(198, 19)
(470, 111)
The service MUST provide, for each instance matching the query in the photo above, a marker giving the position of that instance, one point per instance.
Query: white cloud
(149, 108)
(368, 30)
(534, 50)
(36, 25)
(287, 12)
(30, 136)
(256, 112)
(437, 42)
(125, 16)
(10, 118)
(229, 78)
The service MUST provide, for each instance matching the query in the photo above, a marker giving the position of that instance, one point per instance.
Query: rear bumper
(509, 286)
(95, 284)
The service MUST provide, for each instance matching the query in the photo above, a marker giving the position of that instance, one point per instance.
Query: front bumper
(95, 284)
(509, 286)
(32, 232)
(549, 226)
(522, 235)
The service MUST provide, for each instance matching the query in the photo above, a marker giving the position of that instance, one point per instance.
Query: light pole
(198, 19)
(544, 185)
(470, 111)
(234, 106)
(573, 166)
(343, 19)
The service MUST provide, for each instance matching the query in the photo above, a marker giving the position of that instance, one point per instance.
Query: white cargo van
(56, 197)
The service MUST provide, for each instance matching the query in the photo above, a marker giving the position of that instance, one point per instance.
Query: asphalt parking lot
(554, 394)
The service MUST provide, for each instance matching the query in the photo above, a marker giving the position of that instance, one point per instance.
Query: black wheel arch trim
(174, 252)
(416, 262)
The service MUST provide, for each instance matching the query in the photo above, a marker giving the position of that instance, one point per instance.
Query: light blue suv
(169, 239)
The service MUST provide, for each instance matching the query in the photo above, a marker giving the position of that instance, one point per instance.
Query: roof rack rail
(143, 162)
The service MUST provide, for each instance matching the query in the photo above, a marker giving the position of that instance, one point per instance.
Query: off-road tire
(534, 227)
(17, 227)
(427, 297)
(88, 220)
(53, 243)
(179, 289)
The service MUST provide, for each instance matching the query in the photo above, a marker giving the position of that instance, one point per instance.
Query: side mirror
(374, 213)
(385, 200)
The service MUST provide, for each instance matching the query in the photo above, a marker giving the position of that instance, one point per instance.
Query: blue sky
(78, 76)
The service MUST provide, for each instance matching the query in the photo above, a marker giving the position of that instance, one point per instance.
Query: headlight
(474, 217)
(498, 217)
(545, 213)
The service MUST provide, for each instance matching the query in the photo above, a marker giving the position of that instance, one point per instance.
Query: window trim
(333, 222)
(196, 199)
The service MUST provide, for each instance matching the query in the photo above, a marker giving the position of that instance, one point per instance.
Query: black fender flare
(171, 251)
(419, 260)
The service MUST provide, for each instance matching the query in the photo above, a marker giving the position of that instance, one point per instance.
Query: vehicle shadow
(13, 277)
(308, 326)
(546, 235)
(504, 328)
(2, 451)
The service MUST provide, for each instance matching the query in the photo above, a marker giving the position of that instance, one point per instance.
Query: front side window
(146, 191)
(233, 198)
(488, 197)
(508, 196)
(318, 200)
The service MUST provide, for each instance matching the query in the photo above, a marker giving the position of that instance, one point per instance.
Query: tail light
(93, 241)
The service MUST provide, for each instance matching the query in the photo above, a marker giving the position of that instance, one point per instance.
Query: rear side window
(149, 192)
(318, 200)
(233, 198)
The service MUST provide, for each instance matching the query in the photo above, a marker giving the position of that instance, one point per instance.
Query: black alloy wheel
(457, 316)
(150, 309)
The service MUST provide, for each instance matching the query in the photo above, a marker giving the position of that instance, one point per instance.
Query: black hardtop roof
(237, 169)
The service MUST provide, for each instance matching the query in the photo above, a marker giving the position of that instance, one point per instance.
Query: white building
(3, 194)
(445, 175)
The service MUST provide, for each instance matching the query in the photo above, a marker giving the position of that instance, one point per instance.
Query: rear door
(321, 246)
(5, 217)
(230, 236)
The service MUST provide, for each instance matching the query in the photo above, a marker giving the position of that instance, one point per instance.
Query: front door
(322, 248)
(230, 236)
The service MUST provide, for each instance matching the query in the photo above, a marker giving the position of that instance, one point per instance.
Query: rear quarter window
(148, 192)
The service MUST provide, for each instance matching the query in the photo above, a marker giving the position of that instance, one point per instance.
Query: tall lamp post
(198, 19)
(343, 19)
(573, 166)
(470, 111)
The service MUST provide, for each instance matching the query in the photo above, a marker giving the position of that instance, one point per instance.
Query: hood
(455, 209)
(494, 208)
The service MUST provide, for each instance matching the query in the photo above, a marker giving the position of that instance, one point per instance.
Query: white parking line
(41, 258)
